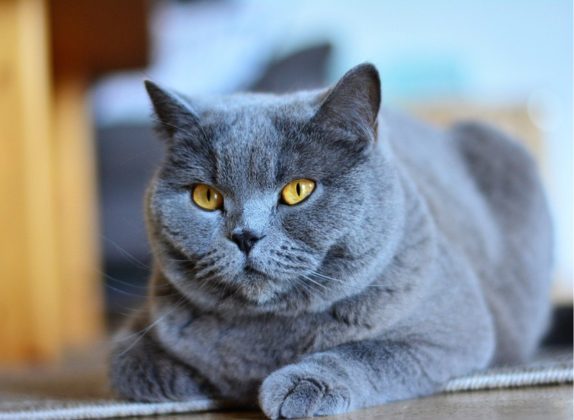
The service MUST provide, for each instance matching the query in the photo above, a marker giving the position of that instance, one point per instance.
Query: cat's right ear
(174, 114)
(353, 103)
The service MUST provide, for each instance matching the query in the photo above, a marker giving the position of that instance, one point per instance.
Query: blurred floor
(529, 403)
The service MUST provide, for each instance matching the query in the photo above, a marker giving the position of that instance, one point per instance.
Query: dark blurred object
(93, 37)
(127, 157)
(561, 327)
(305, 69)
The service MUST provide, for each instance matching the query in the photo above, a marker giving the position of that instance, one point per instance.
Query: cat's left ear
(353, 103)
(174, 113)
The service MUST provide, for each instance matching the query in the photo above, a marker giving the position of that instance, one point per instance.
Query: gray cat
(318, 255)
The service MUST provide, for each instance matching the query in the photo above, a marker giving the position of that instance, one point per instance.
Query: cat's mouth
(250, 269)
(256, 285)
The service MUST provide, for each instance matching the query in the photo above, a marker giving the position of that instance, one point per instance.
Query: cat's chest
(241, 352)
(248, 342)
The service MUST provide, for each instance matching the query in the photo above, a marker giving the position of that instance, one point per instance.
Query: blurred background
(75, 258)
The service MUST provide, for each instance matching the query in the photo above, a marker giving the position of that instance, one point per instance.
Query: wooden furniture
(50, 297)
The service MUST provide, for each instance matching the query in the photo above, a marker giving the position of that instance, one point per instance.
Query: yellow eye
(297, 190)
(206, 197)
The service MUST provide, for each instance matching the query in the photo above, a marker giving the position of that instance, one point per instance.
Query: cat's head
(272, 203)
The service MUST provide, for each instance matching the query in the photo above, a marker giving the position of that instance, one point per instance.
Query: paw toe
(334, 402)
(303, 400)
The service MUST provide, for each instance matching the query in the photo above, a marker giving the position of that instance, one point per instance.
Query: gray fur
(423, 254)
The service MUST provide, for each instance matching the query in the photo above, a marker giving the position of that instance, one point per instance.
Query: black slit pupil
(298, 188)
(208, 194)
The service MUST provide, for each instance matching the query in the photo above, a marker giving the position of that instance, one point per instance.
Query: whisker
(288, 268)
(314, 273)
(207, 272)
(305, 287)
(315, 282)
(376, 286)
(125, 253)
(116, 289)
(125, 283)
(311, 287)
(145, 330)
(140, 288)
(127, 312)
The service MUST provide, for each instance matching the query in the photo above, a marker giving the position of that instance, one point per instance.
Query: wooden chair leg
(49, 282)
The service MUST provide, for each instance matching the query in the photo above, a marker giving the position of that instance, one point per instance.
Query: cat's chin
(256, 287)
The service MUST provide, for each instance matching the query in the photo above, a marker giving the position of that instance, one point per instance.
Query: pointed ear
(353, 103)
(173, 112)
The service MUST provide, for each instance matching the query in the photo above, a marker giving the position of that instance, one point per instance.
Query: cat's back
(507, 177)
(471, 172)
(429, 157)
(485, 195)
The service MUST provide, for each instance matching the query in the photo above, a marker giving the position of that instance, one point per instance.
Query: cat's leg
(141, 370)
(361, 374)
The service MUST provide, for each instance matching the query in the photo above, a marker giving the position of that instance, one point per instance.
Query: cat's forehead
(247, 135)
(254, 142)
(299, 104)
(247, 147)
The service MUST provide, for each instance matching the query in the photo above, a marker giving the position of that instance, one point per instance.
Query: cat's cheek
(319, 228)
(310, 224)
(192, 229)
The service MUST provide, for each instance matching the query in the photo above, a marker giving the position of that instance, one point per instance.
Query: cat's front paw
(303, 390)
(141, 371)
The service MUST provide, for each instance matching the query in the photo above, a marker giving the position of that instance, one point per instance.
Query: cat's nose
(245, 239)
